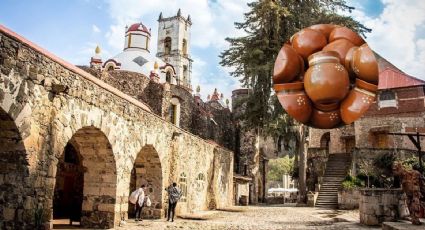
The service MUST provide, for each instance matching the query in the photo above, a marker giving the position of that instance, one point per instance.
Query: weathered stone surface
(109, 131)
(379, 205)
(349, 199)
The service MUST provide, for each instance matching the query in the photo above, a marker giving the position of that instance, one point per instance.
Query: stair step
(335, 172)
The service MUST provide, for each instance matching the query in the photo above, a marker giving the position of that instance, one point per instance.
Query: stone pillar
(302, 164)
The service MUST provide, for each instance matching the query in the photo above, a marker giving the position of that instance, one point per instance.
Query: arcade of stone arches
(86, 177)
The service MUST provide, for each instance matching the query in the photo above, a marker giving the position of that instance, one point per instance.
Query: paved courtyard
(259, 217)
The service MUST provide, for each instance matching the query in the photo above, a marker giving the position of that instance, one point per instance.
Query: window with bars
(172, 113)
(387, 98)
(183, 186)
(387, 95)
(200, 182)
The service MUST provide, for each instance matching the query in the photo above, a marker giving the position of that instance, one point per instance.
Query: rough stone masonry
(46, 103)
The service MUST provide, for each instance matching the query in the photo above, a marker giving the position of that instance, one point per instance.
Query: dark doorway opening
(68, 197)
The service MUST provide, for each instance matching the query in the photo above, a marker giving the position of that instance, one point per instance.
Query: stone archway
(147, 170)
(87, 176)
(325, 140)
(13, 174)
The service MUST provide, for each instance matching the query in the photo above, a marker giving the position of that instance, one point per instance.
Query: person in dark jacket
(174, 195)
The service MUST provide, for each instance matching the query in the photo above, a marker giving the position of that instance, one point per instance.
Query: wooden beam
(405, 134)
(414, 129)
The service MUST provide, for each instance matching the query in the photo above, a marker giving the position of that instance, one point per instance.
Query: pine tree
(268, 24)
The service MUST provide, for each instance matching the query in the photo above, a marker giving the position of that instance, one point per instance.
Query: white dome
(137, 61)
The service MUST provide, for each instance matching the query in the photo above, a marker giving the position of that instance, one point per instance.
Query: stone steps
(335, 172)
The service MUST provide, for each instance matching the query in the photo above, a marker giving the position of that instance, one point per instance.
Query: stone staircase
(336, 170)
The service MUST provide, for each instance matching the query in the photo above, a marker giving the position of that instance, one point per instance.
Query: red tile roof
(390, 78)
(139, 27)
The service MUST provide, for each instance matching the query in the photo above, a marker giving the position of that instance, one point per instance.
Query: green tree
(268, 24)
(279, 167)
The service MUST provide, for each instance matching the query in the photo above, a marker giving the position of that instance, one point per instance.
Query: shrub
(351, 182)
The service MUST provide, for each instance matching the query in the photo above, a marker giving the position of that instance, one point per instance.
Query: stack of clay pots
(326, 76)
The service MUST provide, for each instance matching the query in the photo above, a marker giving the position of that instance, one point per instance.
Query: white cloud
(212, 21)
(95, 29)
(396, 34)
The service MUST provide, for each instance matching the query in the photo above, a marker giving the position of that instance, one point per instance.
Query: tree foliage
(279, 167)
(267, 25)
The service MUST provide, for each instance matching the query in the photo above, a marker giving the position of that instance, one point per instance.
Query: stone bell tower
(173, 46)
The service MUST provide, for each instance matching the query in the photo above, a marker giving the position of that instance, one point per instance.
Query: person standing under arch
(140, 194)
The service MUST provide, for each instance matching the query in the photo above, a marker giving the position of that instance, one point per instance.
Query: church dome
(138, 27)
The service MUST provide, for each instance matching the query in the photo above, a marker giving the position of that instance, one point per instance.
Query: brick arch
(96, 157)
(13, 173)
(147, 170)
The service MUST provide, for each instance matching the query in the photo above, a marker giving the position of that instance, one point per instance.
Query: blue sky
(72, 29)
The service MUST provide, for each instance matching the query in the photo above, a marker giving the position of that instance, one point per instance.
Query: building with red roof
(399, 108)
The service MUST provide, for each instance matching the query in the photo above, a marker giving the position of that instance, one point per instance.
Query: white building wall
(177, 28)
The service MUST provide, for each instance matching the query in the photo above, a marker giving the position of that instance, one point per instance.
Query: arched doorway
(147, 170)
(325, 140)
(13, 172)
(85, 189)
(68, 197)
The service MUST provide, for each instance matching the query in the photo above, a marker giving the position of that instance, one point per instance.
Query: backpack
(133, 197)
(148, 201)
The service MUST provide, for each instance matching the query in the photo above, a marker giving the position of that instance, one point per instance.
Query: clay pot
(302, 70)
(326, 80)
(327, 107)
(325, 116)
(358, 101)
(294, 100)
(344, 32)
(348, 60)
(366, 85)
(287, 65)
(325, 29)
(341, 46)
(308, 41)
(364, 64)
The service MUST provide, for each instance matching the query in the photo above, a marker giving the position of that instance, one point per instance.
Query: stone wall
(379, 205)
(195, 115)
(348, 199)
(48, 103)
(316, 166)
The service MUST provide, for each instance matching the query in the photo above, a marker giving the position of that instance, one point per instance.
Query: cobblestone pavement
(259, 217)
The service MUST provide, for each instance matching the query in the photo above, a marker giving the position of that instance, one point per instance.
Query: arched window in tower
(184, 47)
(184, 74)
(168, 76)
(174, 111)
(167, 45)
